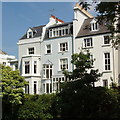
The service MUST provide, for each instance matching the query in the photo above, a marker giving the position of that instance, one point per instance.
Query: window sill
(30, 75)
(59, 71)
(48, 53)
(63, 51)
(107, 71)
(87, 47)
(105, 45)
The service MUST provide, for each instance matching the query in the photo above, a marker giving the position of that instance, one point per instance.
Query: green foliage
(83, 63)
(12, 91)
(111, 16)
(79, 98)
(12, 85)
(78, 101)
(36, 107)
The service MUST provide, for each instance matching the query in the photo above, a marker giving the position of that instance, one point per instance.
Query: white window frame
(62, 64)
(107, 39)
(35, 67)
(55, 32)
(88, 41)
(50, 33)
(30, 34)
(27, 88)
(31, 52)
(27, 64)
(48, 49)
(94, 26)
(62, 46)
(105, 81)
(35, 83)
(107, 66)
(49, 69)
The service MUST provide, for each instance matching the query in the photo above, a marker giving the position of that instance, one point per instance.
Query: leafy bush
(36, 107)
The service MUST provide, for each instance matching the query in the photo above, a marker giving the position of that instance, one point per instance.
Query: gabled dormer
(30, 33)
(94, 25)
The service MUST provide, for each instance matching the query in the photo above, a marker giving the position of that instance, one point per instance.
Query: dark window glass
(35, 87)
(27, 68)
(47, 88)
(31, 51)
(105, 83)
(107, 39)
(27, 89)
(35, 66)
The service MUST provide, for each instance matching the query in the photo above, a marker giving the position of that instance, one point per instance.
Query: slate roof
(85, 29)
(38, 32)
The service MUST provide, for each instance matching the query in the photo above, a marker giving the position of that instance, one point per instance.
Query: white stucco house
(8, 60)
(45, 50)
(96, 38)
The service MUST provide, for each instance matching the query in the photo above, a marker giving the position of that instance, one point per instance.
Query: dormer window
(94, 25)
(56, 32)
(30, 35)
(30, 32)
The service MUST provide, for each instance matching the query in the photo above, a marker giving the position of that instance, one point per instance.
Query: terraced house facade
(45, 50)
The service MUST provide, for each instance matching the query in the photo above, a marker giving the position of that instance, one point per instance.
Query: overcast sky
(17, 17)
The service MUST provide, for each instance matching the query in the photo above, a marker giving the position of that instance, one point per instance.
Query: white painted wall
(56, 55)
(98, 51)
(23, 55)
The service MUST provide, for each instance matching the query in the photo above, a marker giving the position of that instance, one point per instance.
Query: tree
(83, 64)
(111, 16)
(79, 98)
(12, 89)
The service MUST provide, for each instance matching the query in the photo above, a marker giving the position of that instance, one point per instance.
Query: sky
(17, 17)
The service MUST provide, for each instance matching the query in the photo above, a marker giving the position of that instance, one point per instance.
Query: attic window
(94, 26)
(56, 32)
(30, 34)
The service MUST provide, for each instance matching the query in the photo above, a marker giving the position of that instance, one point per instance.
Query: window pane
(106, 39)
(107, 61)
(51, 73)
(48, 47)
(35, 87)
(35, 66)
(47, 73)
(47, 88)
(66, 31)
(31, 50)
(64, 64)
(88, 42)
(44, 87)
(27, 67)
(105, 83)
(50, 87)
